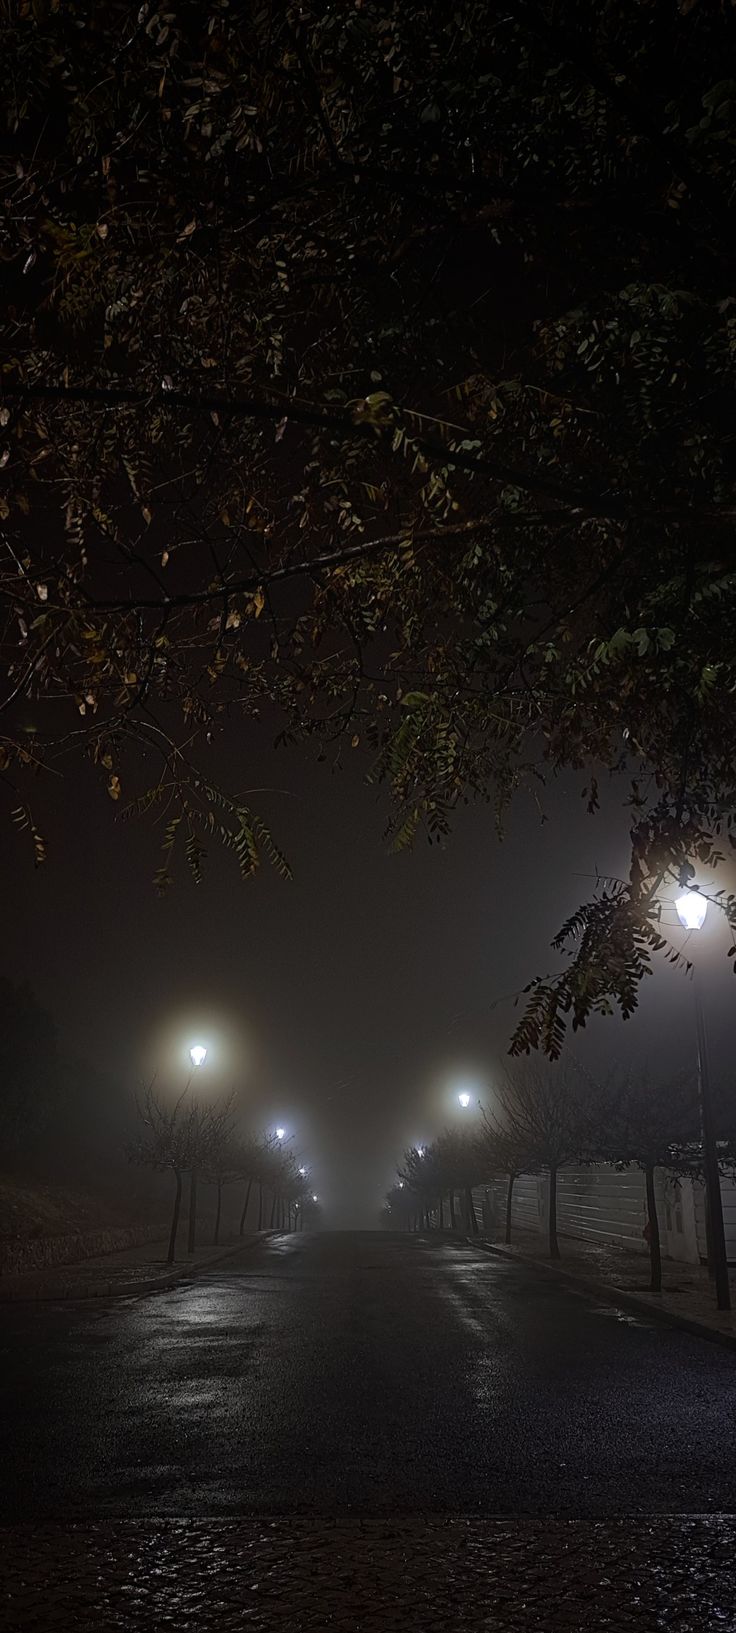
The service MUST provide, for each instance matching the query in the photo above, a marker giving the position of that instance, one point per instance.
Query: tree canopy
(371, 369)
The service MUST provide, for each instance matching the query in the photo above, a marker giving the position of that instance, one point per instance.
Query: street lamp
(280, 1132)
(420, 1150)
(198, 1056)
(303, 1172)
(464, 1099)
(314, 1198)
(691, 909)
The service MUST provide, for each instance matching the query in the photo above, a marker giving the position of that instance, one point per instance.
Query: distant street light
(421, 1150)
(280, 1132)
(198, 1054)
(314, 1199)
(401, 1184)
(691, 909)
(464, 1099)
(302, 1172)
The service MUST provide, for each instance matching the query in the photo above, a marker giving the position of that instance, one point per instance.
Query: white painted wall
(728, 1194)
(608, 1207)
(603, 1205)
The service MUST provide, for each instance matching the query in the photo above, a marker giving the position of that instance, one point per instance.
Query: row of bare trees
(206, 1144)
(543, 1119)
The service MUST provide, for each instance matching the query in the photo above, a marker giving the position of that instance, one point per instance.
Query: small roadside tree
(549, 1116)
(650, 1126)
(249, 1160)
(210, 1130)
(499, 1152)
(400, 1204)
(418, 1174)
(163, 1142)
(461, 1165)
(222, 1167)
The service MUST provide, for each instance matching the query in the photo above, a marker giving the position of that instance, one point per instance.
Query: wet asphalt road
(360, 1373)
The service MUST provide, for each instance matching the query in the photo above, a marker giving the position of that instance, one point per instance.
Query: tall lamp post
(691, 909)
(198, 1056)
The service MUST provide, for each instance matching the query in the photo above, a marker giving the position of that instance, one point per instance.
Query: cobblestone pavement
(371, 1576)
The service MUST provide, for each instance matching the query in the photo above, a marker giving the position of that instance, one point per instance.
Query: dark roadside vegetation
(89, 1166)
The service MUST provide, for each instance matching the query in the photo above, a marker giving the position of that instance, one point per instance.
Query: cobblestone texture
(371, 1576)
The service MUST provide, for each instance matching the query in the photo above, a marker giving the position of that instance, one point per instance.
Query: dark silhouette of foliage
(33, 1080)
(373, 367)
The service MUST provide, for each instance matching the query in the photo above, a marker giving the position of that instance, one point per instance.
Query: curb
(613, 1295)
(133, 1289)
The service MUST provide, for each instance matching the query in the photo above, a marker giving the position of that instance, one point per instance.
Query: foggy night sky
(349, 1002)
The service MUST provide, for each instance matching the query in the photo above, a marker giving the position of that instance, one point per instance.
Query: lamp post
(198, 1056)
(691, 909)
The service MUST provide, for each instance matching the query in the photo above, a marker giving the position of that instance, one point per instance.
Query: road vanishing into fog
(360, 1373)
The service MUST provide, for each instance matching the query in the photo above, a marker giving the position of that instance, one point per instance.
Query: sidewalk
(131, 1271)
(687, 1298)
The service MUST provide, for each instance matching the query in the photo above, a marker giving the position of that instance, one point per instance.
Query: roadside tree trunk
(709, 1259)
(442, 1213)
(175, 1219)
(655, 1246)
(192, 1234)
(554, 1246)
(470, 1212)
(246, 1204)
(273, 1211)
(452, 1210)
(509, 1207)
(218, 1215)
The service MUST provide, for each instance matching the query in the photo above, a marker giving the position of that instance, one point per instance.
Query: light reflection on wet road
(360, 1372)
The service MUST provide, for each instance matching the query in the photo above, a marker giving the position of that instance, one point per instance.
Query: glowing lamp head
(302, 1171)
(198, 1054)
(280, 1132)
(401, 1184)
(420, 1150)
(314, 1199)
(464, 1099)
(691, 910)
